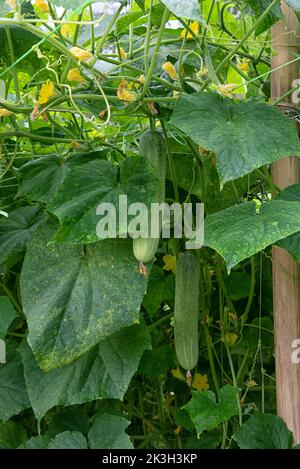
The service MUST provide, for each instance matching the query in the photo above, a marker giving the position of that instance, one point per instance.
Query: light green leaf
(7, 315)
(206, 413)
(11, 435)
(238, 232)
(104, 372)
(36, 442)
(88, 185)
(68, 440)
(264, 431)
(16, 230)
(108, 432)
(73, 297)
(189, 10)
(13, 393)
(244, 135)
(64, 440)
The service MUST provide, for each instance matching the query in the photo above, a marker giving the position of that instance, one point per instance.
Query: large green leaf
(42, 177)
(264, 431)
(239, 232)
(258, 9)
(103, 372)
(88, 185)
(22, 41)
(291, 243)
(244, 135)
(64, 440)
(206, 413)
(16, 230)
(108, 432)
(7, 315)
(11, 435)
(189, 10)
(13, 394)
(73, 297)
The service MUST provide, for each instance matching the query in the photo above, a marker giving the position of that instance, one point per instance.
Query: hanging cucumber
(186, 311)
(152, 148)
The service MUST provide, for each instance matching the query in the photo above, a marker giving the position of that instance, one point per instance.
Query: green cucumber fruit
(186, 310)
(152, 148)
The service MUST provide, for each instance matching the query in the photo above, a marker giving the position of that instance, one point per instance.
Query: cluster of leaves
(89, 339)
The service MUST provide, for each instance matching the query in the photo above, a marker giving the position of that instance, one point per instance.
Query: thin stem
(148, 77)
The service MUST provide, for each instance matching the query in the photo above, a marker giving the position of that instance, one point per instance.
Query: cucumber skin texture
(152, 148)
(186, 310)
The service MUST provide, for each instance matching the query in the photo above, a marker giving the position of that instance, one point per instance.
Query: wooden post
(286, 272)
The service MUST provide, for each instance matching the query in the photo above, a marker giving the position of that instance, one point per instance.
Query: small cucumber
(186, 310)
(152, 148)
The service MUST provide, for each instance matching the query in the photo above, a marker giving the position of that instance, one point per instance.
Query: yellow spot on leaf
(42, 5)
(200, 382)
(124, 94)
(170, 262)
(5, 112)
(169, 68)
(75, 75)
(194, 26)
(46, 92)
(81, 54)
(178, 374)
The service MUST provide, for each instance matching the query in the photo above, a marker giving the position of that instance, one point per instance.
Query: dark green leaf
(7, 315)
(244, 135)
(206, 413)
(73, 298)
(16, 230)
(108, 432)
(97, 182)
(238, 232)
(104, 372)
(160, 288)
(11, 435)
(42, 177)
(13, 393)
(264, 431)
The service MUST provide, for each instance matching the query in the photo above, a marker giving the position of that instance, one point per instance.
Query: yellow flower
(243, 65)
(12, 4)
(170, 69)
(42, 5)
(65, 30)
(230, 338)
(123, 94)
(170, 263)
(251, 383)
(177, 374)
(75, 144)
(5, 112)
(176, 94)
(81, 54)
(194, 26)
(141, 79)
(122, 53)
(225, 90)
(200, 382)
(202, 72)
(46, 92)
(74, 75)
